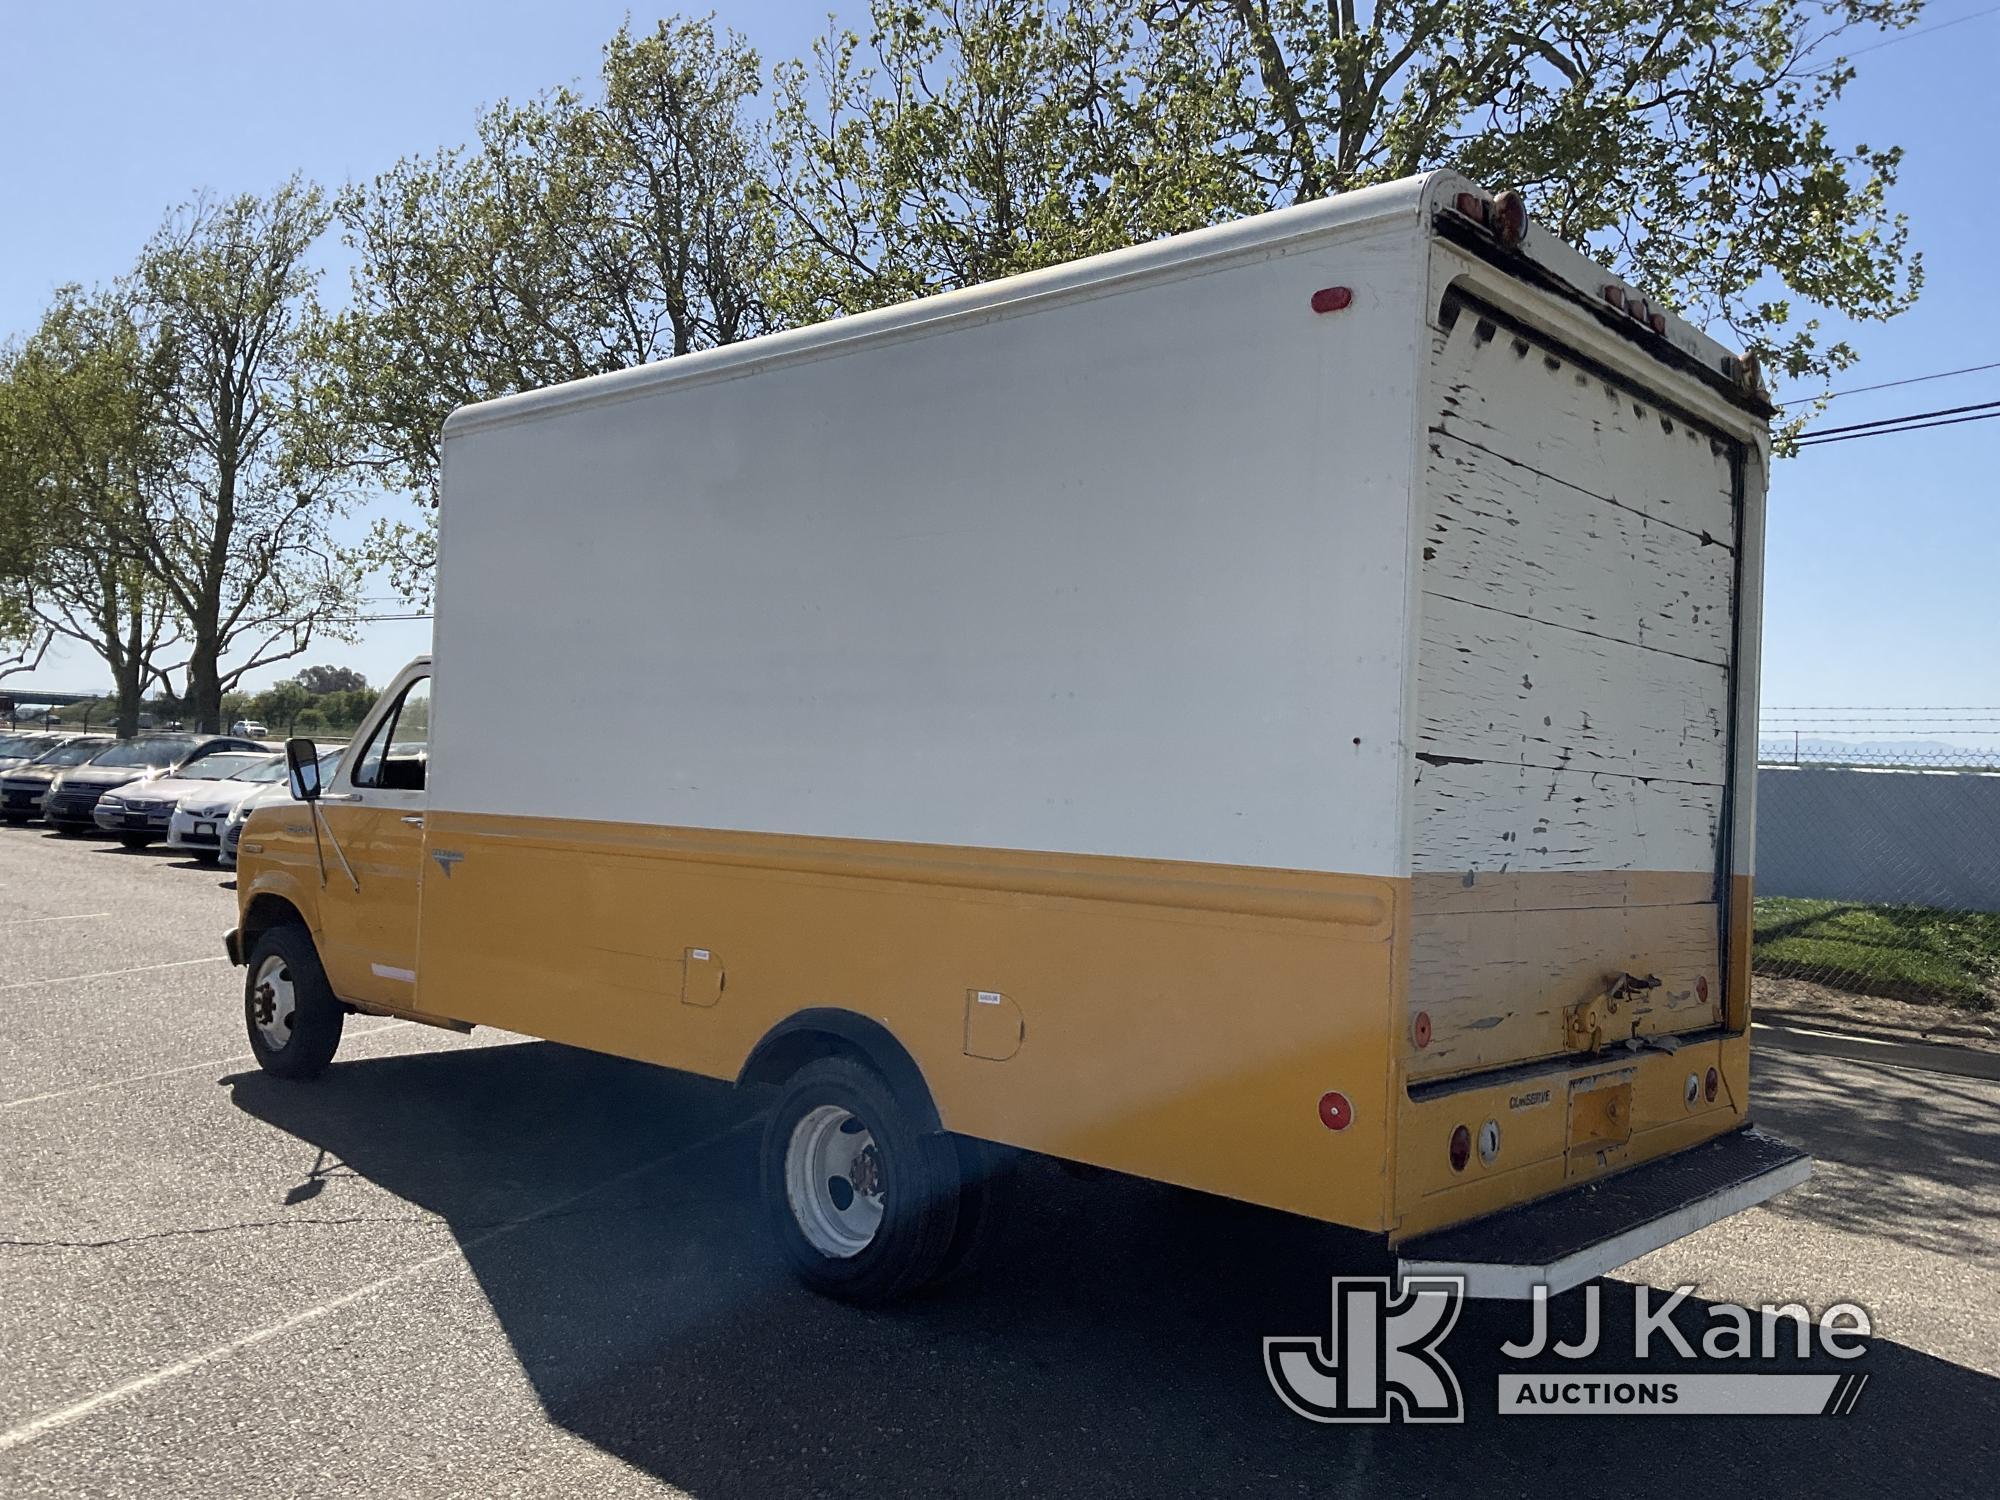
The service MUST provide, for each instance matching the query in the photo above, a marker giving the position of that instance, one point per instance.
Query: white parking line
(82, 916)
(35, 984)
(219, 1062)
(50, 1421)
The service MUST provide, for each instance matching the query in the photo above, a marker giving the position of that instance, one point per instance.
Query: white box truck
(1270, 710)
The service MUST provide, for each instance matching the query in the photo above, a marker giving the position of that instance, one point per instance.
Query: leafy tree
(573, 237)
(967, 141)
(1683, 140)
(309, 720)
(349, 708)
(236, 533)
(79, 441)
(1686, 141)
(282, 703)
(319, 681)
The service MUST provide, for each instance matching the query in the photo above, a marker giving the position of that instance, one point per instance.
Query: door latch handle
(416, 819)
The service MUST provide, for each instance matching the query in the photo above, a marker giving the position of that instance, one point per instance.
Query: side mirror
(302, 764)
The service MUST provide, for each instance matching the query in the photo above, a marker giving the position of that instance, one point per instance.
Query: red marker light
(1420, 1029)
(1701, 989)
(1335, 1113)
(1710, 1083)
(1331, 299)
(1461, 1148)
(1510, 218)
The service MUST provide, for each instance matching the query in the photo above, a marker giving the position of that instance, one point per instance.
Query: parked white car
(203, 808)
(266, 792)
(250, 729)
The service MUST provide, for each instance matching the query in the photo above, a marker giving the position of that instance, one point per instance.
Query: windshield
(145, 753)
(222, 766)
(17, 744)
(269, 769)
(75, 753)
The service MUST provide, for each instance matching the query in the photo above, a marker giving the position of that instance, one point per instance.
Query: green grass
(1907, 952)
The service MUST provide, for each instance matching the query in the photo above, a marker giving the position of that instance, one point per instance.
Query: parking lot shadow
(1115, 1346)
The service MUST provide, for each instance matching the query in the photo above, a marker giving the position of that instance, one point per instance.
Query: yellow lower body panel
(1176, 1021)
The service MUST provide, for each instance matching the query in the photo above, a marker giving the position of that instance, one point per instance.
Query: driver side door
(375, 815)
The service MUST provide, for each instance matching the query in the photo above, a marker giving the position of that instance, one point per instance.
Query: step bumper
(1563, 1241)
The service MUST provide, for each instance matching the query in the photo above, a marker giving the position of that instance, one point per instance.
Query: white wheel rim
(833, 1181)
(273, 1004)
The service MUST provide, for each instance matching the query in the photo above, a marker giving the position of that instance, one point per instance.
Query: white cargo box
(1348, 538)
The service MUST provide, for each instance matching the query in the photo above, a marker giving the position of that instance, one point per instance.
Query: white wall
(1119, 571)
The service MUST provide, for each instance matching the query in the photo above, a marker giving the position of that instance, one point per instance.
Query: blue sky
(1881, 586)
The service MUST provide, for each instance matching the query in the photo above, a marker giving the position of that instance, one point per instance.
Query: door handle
(417, 819)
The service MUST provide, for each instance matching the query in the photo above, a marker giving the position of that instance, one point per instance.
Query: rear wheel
(986, 1175)
(293, 1018)
(864, 1203)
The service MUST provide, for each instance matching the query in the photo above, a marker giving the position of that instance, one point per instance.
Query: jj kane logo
(1381, 1352)
(1382, 1359)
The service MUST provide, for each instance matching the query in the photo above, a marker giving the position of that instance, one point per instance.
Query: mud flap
(1564, 1240)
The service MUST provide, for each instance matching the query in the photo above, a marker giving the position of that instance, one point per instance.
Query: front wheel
(863, 1202)
(290, 1009)
(134, 840)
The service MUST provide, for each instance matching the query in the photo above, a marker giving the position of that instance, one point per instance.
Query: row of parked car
(192, 790)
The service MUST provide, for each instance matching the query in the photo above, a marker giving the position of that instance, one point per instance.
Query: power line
(1916, 421)
(1857, 390)
(1911, 36)
(1912, 427)
(1915, 416)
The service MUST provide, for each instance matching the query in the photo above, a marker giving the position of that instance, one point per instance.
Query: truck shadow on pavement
(1114, 1346)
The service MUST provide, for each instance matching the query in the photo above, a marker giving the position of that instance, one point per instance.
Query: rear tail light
(1461, 1148)
(1335, 1112)
(1710, 1084)
(1693, 1090)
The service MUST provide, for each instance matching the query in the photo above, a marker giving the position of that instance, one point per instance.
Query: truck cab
(346, 867)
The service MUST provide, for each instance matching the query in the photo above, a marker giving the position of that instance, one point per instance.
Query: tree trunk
(129, 688)
(128, 672)
(205, 687)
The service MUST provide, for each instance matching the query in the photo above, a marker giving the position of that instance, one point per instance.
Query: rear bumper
(1565, 1240)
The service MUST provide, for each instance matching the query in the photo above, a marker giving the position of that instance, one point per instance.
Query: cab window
(395, 757)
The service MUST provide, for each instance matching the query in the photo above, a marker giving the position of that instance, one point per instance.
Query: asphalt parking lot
(489, 1266)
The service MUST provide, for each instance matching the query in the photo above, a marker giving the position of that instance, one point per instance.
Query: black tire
(987, 1176)
(918, 1170)
(135, 840)
(309, 1042)
(13, 818)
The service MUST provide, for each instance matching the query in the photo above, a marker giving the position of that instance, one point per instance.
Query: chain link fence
(1878, 861)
